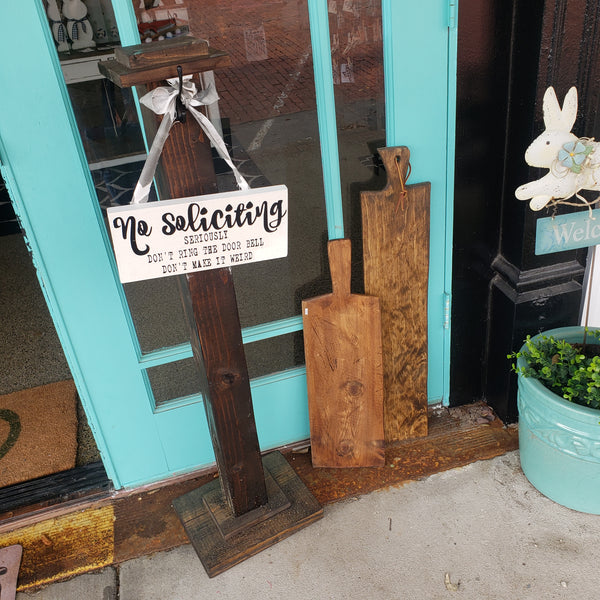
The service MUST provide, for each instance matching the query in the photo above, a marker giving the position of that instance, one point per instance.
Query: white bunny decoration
(58, 27)
(574, 162)
(78, 25)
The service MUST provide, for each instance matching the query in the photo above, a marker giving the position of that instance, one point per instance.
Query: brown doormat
(38, 432)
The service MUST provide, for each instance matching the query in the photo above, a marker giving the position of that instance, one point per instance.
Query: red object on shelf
(155, 29)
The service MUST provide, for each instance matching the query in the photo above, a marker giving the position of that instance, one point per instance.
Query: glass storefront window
(267, 113)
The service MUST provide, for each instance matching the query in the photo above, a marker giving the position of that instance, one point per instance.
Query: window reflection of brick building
(270, 50)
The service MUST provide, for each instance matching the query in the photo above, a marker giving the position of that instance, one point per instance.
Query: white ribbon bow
(162, 101)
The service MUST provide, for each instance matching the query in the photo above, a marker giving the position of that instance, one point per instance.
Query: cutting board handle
(339, 252)
(396, 161)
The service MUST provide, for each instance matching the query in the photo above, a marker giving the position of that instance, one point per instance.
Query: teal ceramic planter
(559, 442)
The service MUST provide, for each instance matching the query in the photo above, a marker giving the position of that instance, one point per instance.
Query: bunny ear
(552, 112)
(558, 119)
(569, 110)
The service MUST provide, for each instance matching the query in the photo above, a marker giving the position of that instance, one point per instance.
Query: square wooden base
(222, 540)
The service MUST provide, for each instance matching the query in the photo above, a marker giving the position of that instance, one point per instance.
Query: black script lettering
(277, 212)
(130, 229)
(197, 218)
(169, 228)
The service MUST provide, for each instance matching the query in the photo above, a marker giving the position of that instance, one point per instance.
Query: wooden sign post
(256, 502)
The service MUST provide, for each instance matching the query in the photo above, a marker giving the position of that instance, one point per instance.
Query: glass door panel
(143, 431)
(355, 31)
(267, 114)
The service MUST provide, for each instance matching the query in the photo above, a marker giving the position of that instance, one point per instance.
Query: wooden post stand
(257, 501)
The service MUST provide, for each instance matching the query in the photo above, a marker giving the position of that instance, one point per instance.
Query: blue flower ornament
(573, 154)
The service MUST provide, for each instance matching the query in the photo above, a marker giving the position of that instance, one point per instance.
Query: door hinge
(446, 324)
(452, 13)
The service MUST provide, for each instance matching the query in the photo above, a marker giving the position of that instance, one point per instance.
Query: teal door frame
(420, 104)
(43, 163)
(415, 81)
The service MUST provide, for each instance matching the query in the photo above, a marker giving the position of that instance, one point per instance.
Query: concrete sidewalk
(481, 532)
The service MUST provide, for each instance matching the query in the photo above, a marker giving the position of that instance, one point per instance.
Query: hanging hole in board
(403, 191)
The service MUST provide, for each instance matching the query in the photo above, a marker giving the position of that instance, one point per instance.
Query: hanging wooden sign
(175, 237)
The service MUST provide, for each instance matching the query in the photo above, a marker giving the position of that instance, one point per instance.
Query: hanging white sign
(174, 237)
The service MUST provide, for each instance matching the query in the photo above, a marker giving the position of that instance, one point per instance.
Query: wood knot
(345, 448)
(354, 388)
(227, 378)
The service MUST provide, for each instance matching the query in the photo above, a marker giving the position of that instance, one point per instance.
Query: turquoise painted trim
(280, 408)
(265, 331)
(58, 208)
(51, 301)
(450, 172)
(389, 57)
(417, 84)
(166, 355)
(126, 22)
(178, 403)
(281, 418)
(255, 333)
(321, 48)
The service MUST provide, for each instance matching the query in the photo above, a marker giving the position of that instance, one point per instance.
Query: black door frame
(508, 54)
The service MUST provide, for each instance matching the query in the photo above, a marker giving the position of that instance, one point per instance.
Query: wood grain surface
(210, 305)
(123, 76)
(396, 269)
(342, 341)
(218, 553)
(173, 51)
(216, 337)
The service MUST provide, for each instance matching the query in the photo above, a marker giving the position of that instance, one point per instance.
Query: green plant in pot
(559, 416)
(558, 380)
(571, 370)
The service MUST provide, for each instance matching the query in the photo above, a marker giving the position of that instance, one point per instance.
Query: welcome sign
(568, 232)
(174, 237)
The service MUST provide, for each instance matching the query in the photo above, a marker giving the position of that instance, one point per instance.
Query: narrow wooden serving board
(396, 269)
(342, 343)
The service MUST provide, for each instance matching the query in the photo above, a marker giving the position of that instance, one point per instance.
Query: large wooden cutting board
(342, 343)
(396, 269)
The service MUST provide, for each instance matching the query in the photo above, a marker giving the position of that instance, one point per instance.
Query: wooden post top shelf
(159, 60)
